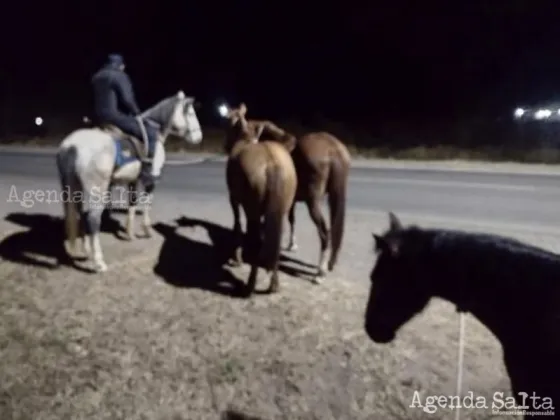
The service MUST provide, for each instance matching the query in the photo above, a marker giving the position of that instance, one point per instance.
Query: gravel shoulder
(161, 337)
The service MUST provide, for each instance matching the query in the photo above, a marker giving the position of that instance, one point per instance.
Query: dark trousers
(130, 126)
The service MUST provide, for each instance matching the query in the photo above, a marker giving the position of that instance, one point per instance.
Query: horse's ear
(242, 109)
(379, 243)
(181, 95)
(394, 223)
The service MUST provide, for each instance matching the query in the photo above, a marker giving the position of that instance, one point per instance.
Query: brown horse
(261, 178)
(322, 164)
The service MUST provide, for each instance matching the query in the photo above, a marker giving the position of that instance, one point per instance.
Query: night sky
(350, 60)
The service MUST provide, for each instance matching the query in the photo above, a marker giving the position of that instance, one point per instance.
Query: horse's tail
(273, 217)
(66, 163)
(336, 188)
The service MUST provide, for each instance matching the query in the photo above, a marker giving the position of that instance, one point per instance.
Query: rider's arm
(127, 95)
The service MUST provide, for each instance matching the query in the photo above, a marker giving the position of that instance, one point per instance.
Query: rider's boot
(146, 177)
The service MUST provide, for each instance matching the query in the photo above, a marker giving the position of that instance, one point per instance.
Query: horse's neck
(158, 116)
(509, 308)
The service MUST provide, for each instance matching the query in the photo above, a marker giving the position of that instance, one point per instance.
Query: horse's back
(248, 170)
(85, 136)
(320, 159)
(280, 156)
(94, 149)
(321, 146)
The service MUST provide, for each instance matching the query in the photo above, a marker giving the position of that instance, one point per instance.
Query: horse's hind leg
(86, 246)
(237, 232)
(94, 225)
(254, 243)
(317, 217)
(95, 207)
(292, 245)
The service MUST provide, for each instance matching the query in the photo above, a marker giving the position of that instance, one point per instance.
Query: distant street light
(223, 110)
(543, 114)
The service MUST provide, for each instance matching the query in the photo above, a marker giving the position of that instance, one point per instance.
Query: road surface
(520, 201)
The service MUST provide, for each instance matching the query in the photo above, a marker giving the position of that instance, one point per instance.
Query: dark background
(359, 63)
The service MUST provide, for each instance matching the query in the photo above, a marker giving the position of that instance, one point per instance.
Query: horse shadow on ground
(237, 415)
(187, 263)
(42, 244)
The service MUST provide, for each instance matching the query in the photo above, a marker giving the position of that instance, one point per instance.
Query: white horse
(89, 160)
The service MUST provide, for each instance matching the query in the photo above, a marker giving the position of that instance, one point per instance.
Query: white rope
(144, 133)
(460, 359)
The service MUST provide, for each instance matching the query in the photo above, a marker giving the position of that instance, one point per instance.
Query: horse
(261, 178)
(511, 287)
(322, 165)
(91, 159)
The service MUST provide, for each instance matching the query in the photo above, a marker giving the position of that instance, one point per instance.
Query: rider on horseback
(112, 87)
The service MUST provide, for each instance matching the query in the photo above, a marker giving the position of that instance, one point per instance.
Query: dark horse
(322, 164)
(511, 287)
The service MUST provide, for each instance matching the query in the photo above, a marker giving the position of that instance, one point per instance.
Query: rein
(142, 119)
(144, 133)
(460, 359)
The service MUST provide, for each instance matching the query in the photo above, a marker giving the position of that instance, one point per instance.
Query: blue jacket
(113, 93)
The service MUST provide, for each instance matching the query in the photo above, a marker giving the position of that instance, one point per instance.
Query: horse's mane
(490, 253)
(159, 113)
(489, 242)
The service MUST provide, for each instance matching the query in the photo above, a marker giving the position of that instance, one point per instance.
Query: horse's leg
(317, 217)
(254, 243)
(132, 205)
(292, 245)
(146, 219)
(93, 220)
(86, 248)
(237, 232)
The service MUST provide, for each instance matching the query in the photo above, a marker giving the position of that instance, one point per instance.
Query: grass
(213, 142)
(134, 345)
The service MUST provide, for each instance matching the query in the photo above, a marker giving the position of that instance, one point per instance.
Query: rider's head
(116, 61)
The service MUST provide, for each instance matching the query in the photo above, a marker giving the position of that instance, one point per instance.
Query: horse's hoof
(273, 288)
(292, 247)
(318, 279)
(100, 267)
(235, 262)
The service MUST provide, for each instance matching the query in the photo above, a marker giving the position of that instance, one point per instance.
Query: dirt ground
(162, 335)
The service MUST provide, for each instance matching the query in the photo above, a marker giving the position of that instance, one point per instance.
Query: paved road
(530, 201)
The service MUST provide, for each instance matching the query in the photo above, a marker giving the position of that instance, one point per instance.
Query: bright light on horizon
(519, 112)
(223, 110)
(38, 121)
(543, 113)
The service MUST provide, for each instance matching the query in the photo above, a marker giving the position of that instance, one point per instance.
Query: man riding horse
(115, 104)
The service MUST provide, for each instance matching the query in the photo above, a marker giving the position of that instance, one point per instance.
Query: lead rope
(460, 358)
(144, 133)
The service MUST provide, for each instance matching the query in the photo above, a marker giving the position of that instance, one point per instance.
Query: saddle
(129, 146)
